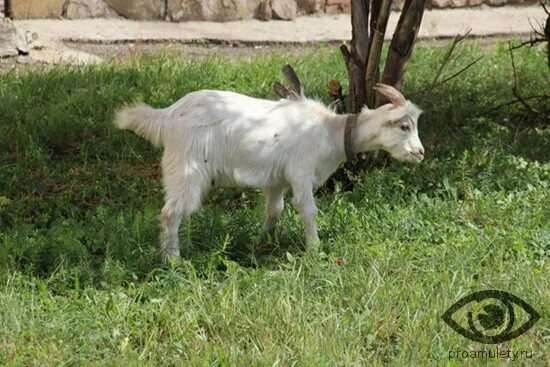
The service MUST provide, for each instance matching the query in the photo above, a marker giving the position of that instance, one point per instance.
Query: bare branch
(544, 7)
(345, 53)
(532, 42)
(402, 44)
(540, 34)
(433, 86)
(514, 101)
(519, 97)
(458, 38)
(515, 87)
(378, 29)
(356, 56)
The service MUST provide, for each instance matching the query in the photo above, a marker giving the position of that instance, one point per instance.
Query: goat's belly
(323, 171)
(247, 178)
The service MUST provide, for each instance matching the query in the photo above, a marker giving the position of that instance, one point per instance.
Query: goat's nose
(421, 151)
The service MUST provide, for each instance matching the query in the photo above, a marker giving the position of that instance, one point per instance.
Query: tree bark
(356, 58)
(379, 20)
(402, 44)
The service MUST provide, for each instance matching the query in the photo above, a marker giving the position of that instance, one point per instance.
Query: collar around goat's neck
(349, 132)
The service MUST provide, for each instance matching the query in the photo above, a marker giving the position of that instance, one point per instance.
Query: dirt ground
(86, 41)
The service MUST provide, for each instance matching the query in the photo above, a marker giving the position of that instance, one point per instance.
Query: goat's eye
(405, 127)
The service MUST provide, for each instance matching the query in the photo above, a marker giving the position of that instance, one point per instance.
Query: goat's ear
(392, 94)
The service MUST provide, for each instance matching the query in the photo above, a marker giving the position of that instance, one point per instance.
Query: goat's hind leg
(170, 218)
(274, 204)
(184, 189)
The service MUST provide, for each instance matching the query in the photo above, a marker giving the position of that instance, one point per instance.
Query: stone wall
(209, 10)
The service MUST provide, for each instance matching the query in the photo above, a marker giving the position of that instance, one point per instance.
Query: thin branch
(532, 42)
(345, 53)
(515, 87)
(433, 86)
(458, 38)
(514, 101)
(533, 27)
(401, 45)
(378, 29)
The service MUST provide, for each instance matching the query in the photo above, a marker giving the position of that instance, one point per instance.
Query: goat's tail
(143, 120)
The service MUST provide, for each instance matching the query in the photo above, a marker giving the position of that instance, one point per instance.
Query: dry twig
(436, 83)
(514, 101)
(519, 98)
(433, 86)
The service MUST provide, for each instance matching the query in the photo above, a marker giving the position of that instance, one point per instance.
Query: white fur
(214, 138)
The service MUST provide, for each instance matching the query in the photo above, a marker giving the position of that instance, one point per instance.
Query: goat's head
(392, 127)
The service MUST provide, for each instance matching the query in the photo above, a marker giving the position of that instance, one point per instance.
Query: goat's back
(244, 140)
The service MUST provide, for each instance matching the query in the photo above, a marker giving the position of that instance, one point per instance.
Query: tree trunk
(356, 59)
(379, 20)
(402, 45)
(363, 57)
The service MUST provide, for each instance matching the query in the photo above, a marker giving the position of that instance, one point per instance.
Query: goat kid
(224, 139)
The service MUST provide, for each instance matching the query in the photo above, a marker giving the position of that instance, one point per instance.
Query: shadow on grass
(62, 202)
(223, 228)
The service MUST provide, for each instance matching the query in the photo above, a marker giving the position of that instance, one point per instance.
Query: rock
(309, 6)
(2, 12)
(211, 10)
(496, 2)
(264, 11)
(8, 38)
(337, 6)
(80, 9)
(60, 54)
(31, 9)
(139, 9)
(441, 3)
(284, 9)
(475, 2)
(31, 37)
(21, 43)
(183, 10)
(459, 3)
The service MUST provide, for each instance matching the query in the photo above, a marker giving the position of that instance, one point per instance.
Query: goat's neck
(364, 136)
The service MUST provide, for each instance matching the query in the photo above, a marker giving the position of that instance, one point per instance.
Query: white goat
(215, 138)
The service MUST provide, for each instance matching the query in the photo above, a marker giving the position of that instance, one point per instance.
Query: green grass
(81, 281)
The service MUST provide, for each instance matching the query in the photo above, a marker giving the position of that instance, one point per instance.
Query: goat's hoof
(312, 248)
(268, 237)
(171, 260)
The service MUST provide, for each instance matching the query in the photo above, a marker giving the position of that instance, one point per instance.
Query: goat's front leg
(274, 204)
(304, 201)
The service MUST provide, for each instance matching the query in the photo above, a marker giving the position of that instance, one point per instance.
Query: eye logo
(491, 317)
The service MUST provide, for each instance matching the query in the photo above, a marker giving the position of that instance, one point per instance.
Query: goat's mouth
(417, 157)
